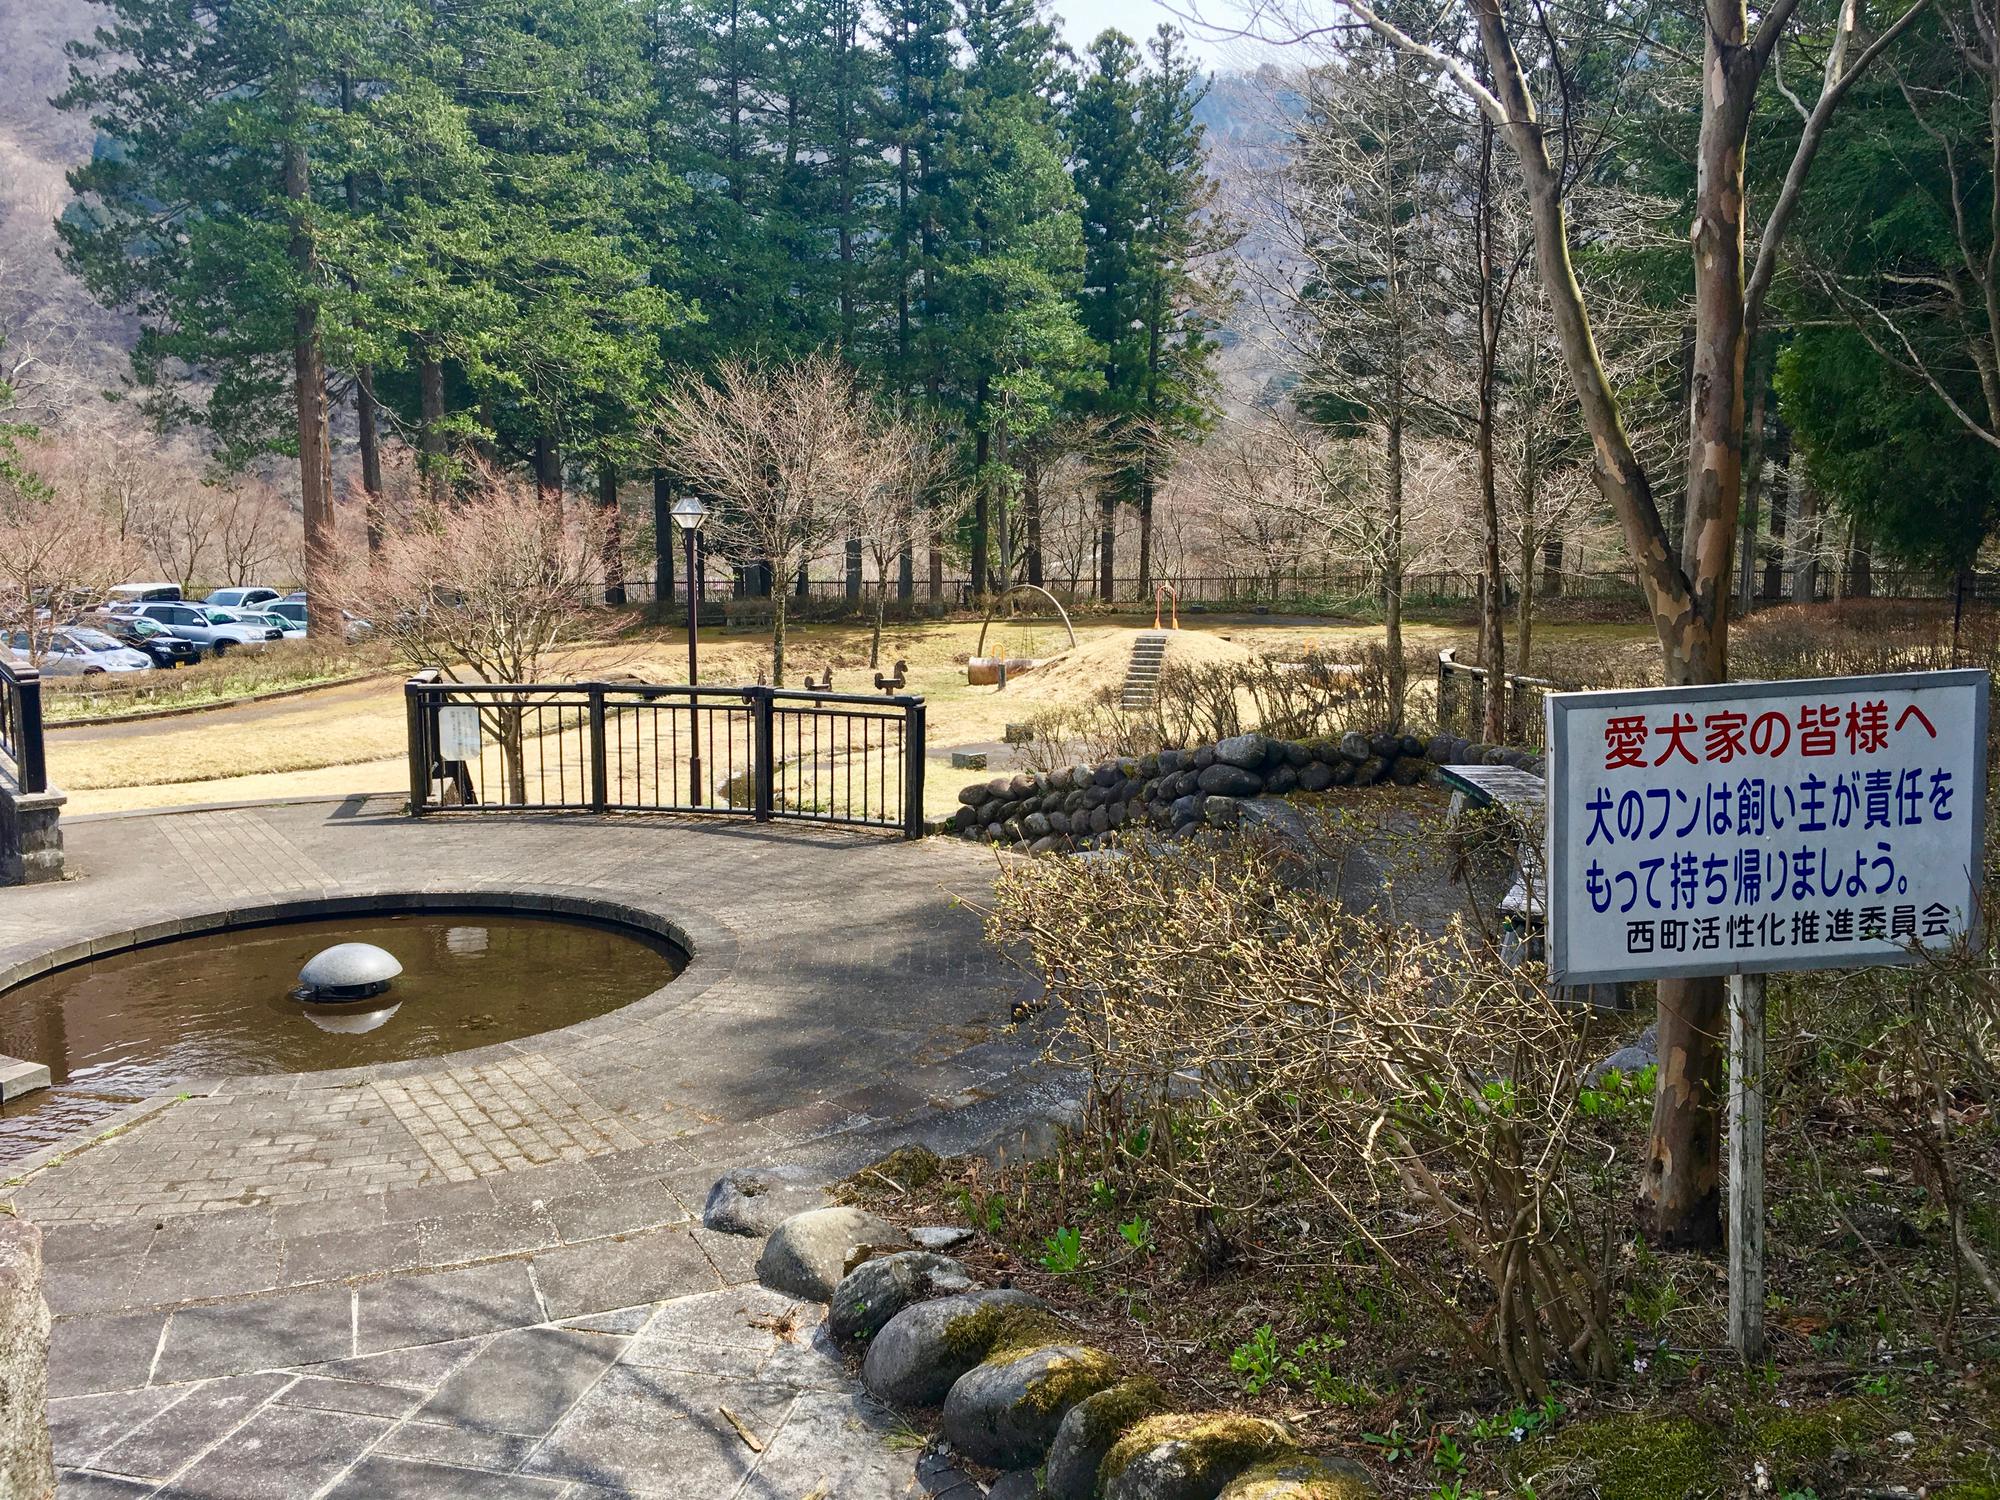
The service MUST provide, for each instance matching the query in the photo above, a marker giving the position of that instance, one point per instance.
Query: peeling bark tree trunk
(309, 396)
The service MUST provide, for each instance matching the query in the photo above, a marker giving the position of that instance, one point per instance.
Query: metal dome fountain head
(346, 971)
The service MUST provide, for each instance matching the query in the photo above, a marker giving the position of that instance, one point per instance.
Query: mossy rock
(1189, 1456)
(1638, 1456)
(1089, 1431)
(919, 1354)
(1303, 1479)
(913, 1167)
(1005, 1411)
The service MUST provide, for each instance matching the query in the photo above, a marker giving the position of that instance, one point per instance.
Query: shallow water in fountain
(122, 1028)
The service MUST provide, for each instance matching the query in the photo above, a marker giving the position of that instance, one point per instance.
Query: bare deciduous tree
(481, 590)
(785, 450)
(56, 554)
(905, 505)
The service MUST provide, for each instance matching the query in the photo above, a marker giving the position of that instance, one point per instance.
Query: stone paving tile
(282, 1453)
(350, 1395)
(81, 1427)
(74, 1484)
(263, 1333)
(654, 1430)
(653, 1266)
(834, 1445)
(522, 1382)
(460, 1447)
(444, 1306)
(158, 1448)
(385, 1478)
(420, 1369)
(110, 1353)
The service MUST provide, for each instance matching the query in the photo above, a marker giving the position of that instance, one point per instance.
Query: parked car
(216, 629)
(79, 651)
(143, 593)
(292, 630)
(153, 638)
(292, 609)
(242, 598)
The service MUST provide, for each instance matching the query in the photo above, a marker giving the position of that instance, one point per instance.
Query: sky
(1084, 19)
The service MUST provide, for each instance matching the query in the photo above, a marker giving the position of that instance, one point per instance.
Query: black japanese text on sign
(1751, 827)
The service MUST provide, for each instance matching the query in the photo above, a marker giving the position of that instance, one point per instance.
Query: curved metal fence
(752, 752)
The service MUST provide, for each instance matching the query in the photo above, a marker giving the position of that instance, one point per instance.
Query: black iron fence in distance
(756, 752)
(21, 756)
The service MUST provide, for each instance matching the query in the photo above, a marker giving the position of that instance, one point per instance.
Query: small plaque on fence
(458, 732)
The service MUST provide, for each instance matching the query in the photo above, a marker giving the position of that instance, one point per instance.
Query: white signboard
(1761, 826)
(458, 732)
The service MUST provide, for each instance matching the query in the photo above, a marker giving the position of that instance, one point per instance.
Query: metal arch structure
(1008, 593)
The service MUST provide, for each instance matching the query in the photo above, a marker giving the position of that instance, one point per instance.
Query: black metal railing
(758, 752)
(21, 755)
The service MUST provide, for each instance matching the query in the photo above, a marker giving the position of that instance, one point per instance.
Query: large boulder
(1005, 1411)
(1089, 1430)
(876, 1290)
(1019, 1485)
(1221, 780)
(1245, 750)
(919, 1354)
(756, 1200)
(1188, 1457)
(1303, 1478)
(1354, 747)
(809, 1254)
(1316, 777)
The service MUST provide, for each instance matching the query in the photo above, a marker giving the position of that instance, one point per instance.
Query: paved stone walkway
(411, 1278)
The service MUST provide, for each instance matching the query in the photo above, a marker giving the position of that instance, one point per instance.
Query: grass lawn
(350, 738)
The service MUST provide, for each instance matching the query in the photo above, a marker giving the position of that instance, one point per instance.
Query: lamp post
(688, 514)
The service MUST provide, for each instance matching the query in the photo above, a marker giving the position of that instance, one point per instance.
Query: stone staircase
(1142, 676)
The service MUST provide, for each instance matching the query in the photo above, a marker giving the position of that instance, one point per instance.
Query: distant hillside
(68, 344)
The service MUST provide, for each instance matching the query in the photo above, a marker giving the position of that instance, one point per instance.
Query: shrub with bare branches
(1267, 1065)
(481, 590)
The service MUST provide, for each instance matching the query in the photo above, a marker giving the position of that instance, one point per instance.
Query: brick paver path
(421, 1277)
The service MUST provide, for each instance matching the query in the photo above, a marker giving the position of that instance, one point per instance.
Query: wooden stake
(1746, 1166)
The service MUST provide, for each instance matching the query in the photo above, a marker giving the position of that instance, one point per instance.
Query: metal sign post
(1749, 828)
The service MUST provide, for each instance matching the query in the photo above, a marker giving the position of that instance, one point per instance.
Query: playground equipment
(991, 671)
(1166, 593)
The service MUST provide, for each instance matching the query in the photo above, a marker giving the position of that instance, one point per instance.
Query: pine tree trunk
(1860, 566)
(1775, 552)
(982, 511)
(548, 473)
(365, 424)
(309, 397)
(1392, 571)
(430, 398)
(663, 543)
(614, 535)
(1107, 545)
(1145, 534)
(1031, 516)
(1552, 567)
(1805, 541)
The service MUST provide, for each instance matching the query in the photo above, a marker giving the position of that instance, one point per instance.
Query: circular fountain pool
(121, 1028)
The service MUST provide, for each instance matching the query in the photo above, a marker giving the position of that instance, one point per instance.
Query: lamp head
(689, 513)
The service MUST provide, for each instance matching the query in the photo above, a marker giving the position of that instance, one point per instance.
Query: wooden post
(1746, 1166)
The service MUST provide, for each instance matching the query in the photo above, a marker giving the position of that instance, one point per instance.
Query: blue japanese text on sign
(1752, 827)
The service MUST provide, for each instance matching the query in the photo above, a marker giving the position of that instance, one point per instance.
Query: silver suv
(216, 629)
